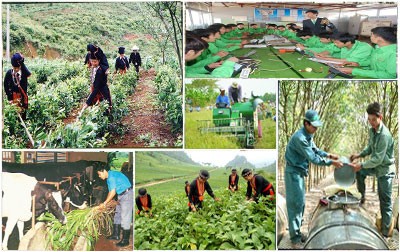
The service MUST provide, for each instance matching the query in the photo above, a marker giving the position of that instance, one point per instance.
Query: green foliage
(169, 97)
(229, 224)
(201, 92)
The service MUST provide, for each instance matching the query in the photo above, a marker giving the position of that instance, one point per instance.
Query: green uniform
(360, 52)
(270, 31)
(286, 33)
(381, 164)
(313, 42)
(225, 46)
(224, 71)
(383, 64)
(333, 50)
(230, 41)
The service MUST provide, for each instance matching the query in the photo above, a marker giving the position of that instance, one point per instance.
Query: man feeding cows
(18, 190)
(118, 184)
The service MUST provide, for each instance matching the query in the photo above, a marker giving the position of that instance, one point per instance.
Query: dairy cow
(18, 190)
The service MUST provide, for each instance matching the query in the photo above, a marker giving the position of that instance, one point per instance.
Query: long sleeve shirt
(381, 149)
(360, 52)
(223, 71)
(140, 205)
(260, 184)
(382, 65)
(194, 192)
(301, 150)
(222, 99)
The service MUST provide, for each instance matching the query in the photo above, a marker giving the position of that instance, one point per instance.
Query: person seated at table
(255, 30)
(223, 30)
(220, 42)
(222, 99)
(352, 51)
(207, 67)
(310, 40)
(326, 48)
(242, 30)
(291, 35)
(292, 25)
(280, 30)
(212, 51)
(383, 58)
(271, 29)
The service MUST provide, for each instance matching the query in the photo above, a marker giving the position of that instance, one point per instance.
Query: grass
(218, 180)
(195, 140)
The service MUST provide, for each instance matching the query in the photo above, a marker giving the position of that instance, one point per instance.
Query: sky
(258, 86)
(222, 157)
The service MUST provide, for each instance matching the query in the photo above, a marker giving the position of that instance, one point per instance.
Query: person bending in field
(121, 62)
(98, 79)
(143, 202)
(197, 189)
(16, 83)
(233, 181)
(257, 186)
(187, 188)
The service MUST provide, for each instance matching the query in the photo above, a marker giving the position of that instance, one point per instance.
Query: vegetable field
(229, 224)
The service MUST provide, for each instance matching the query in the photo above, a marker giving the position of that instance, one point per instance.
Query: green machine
(236, 121)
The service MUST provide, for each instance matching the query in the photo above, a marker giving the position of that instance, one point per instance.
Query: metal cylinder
(282, 217)
(338, 225)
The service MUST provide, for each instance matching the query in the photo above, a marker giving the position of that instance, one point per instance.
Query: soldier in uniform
(16, 83)
(121, 62)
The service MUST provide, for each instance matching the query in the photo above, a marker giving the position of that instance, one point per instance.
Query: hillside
(152, 166)
(54, 30)
(240, 162)
(181, 156)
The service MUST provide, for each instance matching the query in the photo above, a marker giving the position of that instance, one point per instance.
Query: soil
(130, 36)
(145, 124)
(103, 244)
(30, 50)
(51, 53)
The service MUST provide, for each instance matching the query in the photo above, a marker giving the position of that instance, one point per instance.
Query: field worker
(16, 83)
(383, 59)
(187, 188)
(143, 202)
(257, 186)
(300, 151)
(121, 62)
(233, 181)
(87, 57)
(99, 88)
(135, 59)
(235, 93)
(381, 164)
(222, 100)
(118, 184)
(92, 49)
(197, 189)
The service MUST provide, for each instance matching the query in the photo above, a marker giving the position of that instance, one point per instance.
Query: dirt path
(162, 181)
(145, 124)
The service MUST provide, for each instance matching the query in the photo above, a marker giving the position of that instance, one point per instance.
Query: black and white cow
(18, 190)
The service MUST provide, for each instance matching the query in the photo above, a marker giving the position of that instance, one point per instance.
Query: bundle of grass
(89, 223)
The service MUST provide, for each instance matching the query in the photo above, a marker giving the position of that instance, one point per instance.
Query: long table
(274, 64)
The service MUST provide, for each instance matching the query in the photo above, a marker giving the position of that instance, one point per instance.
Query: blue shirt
(301, 150)
(118, 181)
(223, 99)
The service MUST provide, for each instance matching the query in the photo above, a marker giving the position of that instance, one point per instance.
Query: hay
(89, 223)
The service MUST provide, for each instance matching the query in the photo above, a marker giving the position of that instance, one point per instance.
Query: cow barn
(71, 173)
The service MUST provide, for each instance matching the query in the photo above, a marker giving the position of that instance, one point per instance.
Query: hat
(235, 84)
(88, 47)
(135, 48)
(17, 59)
(94, 55)
(313, 117)
(222, 89)
(142, 191)
(204, 174)
(246, 172)
(121, 50)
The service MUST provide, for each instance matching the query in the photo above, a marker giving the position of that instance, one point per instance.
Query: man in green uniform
(383, 60)
(381, 164)
(300, 151)
(352, 51)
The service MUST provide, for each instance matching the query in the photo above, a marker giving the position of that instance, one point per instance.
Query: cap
(235, 84)
(17, 59)
(142, 191)
(121, 50)
(204, 174)
(135, 48)
(246, 172)
(313, 117)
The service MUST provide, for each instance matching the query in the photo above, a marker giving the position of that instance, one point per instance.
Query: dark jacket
(187, 190)
(100, 86)
(121, 63)
(139, 204)
(135, 59)
(317, 28)
(236, 180)
(11, 86)
(194, 192)
(261, 187)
